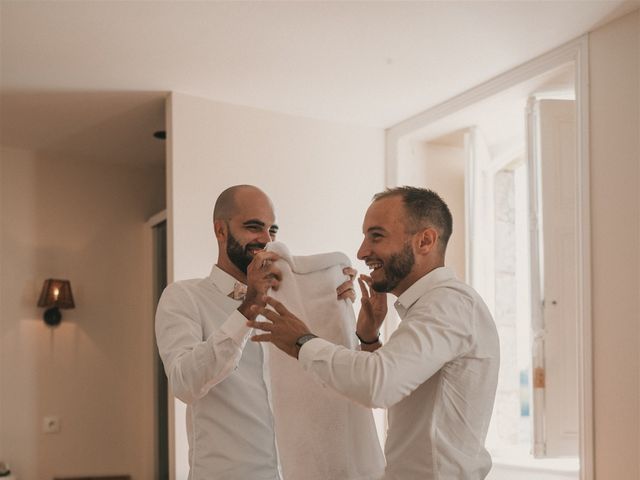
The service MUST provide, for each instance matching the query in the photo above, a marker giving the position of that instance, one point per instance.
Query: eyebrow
(376, 229)
(260, 223)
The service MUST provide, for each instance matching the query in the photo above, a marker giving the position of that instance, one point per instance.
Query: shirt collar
(422, 286)
(222, 280)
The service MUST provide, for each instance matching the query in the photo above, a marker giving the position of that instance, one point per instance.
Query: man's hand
(283, 328)
(372, 313)
(261, 276)
(346, 289)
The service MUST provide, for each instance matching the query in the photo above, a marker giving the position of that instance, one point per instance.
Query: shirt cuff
(310, 351)
(235, 327)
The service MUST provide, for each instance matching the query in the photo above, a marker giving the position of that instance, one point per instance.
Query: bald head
(243, 222)
(227, 203)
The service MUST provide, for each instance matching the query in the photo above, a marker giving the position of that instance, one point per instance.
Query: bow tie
(239, 291)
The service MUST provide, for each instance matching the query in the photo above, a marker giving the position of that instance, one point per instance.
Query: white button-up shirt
(202, 339)
(437, 375)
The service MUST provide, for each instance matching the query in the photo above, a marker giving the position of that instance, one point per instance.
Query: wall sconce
(55, 294)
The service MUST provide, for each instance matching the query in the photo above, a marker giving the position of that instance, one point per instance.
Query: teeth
(374, 266)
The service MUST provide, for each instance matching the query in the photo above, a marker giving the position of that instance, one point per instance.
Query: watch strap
(365, 342)
(304, 339)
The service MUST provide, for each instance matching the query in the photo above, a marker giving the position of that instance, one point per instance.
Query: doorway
(499, 155)
(161, 397)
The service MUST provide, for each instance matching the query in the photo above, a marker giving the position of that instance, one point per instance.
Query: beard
(395, 270)
(239, 255)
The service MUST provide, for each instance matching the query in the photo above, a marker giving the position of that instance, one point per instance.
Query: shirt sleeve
(193, 364)
(427, 338)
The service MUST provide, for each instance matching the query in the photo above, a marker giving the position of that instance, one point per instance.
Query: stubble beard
(395, 270)
(240, 255)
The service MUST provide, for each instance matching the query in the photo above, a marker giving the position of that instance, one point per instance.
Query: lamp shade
(56, 293)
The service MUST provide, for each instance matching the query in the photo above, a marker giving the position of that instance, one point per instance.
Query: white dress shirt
(202, 339)
(437, 375)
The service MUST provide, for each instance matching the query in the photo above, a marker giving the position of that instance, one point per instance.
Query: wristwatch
(304, 339)
(370, 342)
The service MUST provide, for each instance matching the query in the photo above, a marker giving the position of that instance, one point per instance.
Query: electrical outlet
(51, 424)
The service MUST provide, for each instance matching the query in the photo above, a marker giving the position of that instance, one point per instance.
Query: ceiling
(90, 78)
(500, 119)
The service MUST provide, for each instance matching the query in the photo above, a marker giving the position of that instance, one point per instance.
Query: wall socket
(51, 424)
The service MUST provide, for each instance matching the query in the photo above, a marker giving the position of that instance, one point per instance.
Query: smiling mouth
(374, 266)
(254, 249)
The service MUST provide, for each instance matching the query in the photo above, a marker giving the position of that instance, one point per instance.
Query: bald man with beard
(201, 331)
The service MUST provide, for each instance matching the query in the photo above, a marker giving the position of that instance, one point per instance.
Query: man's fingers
(363, 288)
(274, 272)
(345, 289)
(264, 326)
(263, 260)
(265, 255)
(348, 285)
(273, 278)
(278, 306)
(263, 337)
(270, 314)
(348, 294)
(351, 272)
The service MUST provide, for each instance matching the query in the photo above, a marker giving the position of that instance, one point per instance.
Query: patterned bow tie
(239, 291)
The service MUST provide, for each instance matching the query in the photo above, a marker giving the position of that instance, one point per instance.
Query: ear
(220, 230)
(427, 240)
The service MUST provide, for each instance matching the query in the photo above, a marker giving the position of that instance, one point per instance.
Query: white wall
(320, 175)
(440, 168)
(85, 222)
(615, 151)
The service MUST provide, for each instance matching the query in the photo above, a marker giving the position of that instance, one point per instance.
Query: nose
(363, 251)
(264, 237)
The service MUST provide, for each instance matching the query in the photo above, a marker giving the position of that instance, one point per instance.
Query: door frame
(153, 222)
(576, 51)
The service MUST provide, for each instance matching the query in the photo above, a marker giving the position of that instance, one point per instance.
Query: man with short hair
(437, 373)
(202, 337)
